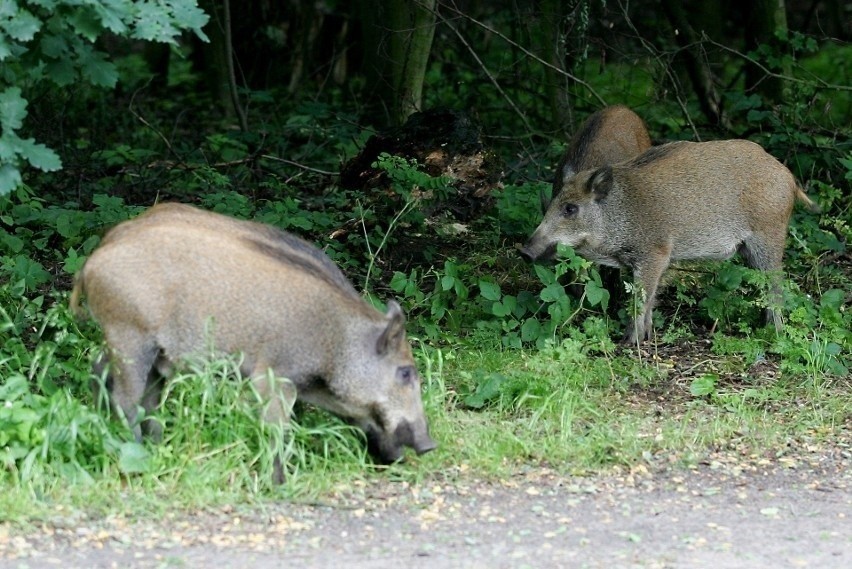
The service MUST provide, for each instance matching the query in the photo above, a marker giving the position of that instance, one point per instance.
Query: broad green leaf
(39, 155)
(60, 72)
(10, 178)
(112, 14)
(13, 109)
(703, 385)
(530, 330)
(133, 458)
(10, 242)
(23, 26)
(96, 69)
(86, 24)
(596, 294)
(489, 290)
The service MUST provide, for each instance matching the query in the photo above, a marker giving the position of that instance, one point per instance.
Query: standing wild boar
(683, 200)
(164, 285)
(611, 135)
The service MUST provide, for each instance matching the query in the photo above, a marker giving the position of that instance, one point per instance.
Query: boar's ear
(600, 182)
(394, 333)
(568, 172)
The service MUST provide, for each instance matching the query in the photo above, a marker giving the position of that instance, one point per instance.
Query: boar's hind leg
(765, 253)
(131, 370)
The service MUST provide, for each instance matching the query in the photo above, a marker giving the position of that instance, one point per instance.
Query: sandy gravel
(720, 515)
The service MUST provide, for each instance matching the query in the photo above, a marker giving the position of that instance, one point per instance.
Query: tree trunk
(552, 50)
(397, 42)
(765, 21)
(697, 67)
(412, 30)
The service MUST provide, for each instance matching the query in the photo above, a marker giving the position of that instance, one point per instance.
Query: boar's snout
(386, 448)
(534, 251)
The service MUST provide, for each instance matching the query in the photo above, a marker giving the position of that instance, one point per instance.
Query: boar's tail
(812, 205)
(76, 292)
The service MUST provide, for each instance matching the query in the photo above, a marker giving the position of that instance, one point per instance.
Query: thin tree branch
(491, 78)
(655, 53)
(527, 52)
(815, 82)
(297, 165)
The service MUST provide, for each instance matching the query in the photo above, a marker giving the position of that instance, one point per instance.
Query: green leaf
(703, 385)
(596, 294)
(530, 330)
(399, 281)
(500, 310)
(11, 242)
(22, 27)
(489, 290)
(10, 178)
(60, 72)
(133, 458)
(86, 24)
(13, 109)
(96, 69)
(545, 275)
(486, 391)
(39, 156)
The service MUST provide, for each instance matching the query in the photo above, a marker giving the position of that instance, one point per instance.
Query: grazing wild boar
(609, 136)
(164, 285)
(683, 200)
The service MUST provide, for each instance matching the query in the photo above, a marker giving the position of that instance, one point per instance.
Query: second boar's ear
(600, 182)
(394, 333)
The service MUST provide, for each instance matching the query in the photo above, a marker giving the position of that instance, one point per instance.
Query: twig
(816, 81)
(141, 119)
(667, 69)
(490, 77)
(527, 52)
(296, 164)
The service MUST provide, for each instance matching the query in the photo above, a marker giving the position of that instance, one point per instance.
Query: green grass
(577, 406)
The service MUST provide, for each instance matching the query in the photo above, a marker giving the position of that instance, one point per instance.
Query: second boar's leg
(765, 254)
(131, 369)
(647, 273)
(278, 396)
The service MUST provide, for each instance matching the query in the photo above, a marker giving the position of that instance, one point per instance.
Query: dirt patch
(720, 514)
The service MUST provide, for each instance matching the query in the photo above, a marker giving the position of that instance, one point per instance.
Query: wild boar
(682, 200)
(609, 136)
(164, 285)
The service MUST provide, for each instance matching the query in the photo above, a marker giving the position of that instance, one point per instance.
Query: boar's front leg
(278, 396)
(647, 273)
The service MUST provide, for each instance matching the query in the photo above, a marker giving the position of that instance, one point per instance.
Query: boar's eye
(569, 210)
(406, 374)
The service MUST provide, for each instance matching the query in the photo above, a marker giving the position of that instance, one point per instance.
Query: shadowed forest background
(412, 142)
